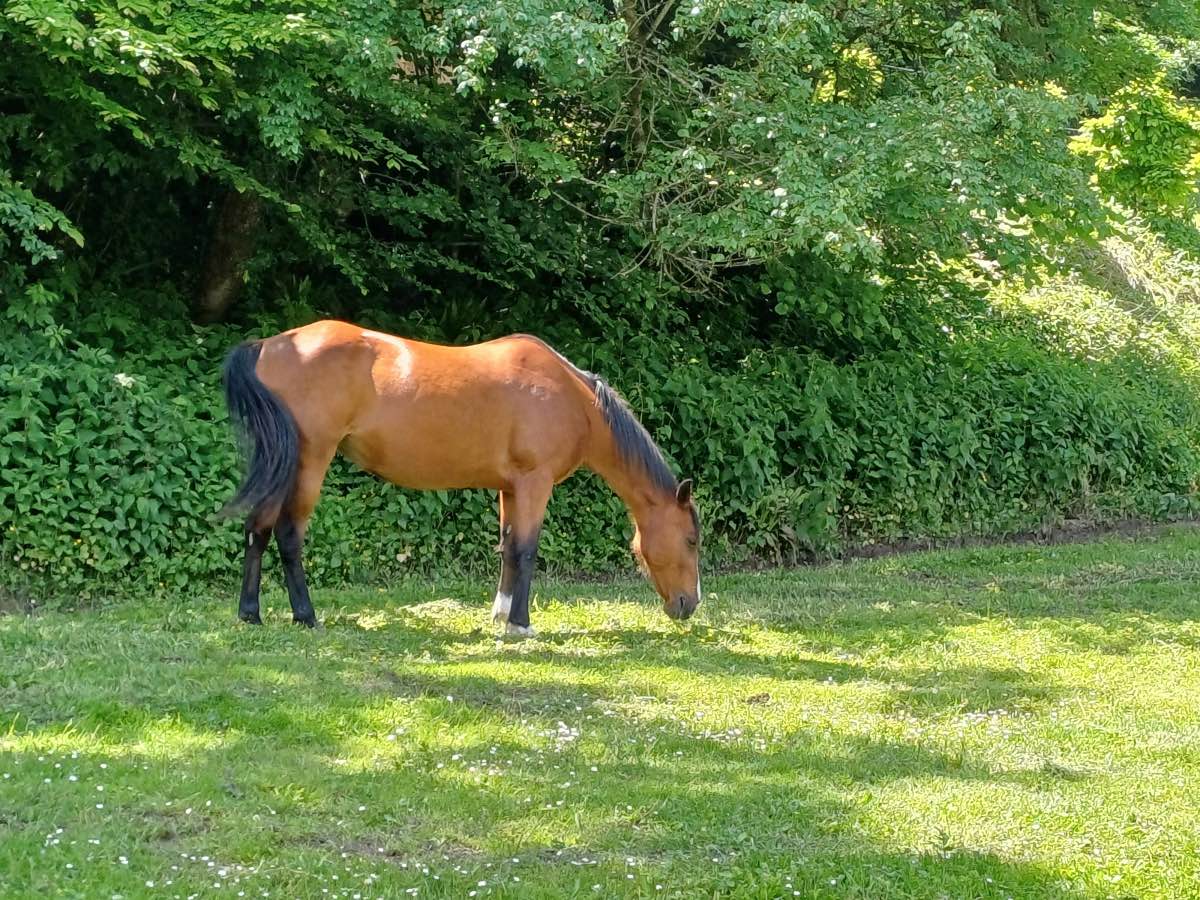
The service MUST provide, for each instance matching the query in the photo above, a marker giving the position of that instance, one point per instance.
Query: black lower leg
(520, 561)
(256, 543)
(290, 540)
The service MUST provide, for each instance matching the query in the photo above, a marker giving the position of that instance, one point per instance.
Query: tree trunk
(233, 238)
(635, 67)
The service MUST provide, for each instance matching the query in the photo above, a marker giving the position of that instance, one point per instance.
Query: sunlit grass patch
(1016, 721)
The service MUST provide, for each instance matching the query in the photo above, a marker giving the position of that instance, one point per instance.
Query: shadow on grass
(285, 725)
(769, 824)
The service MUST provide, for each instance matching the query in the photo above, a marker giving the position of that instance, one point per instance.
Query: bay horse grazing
(511, 415)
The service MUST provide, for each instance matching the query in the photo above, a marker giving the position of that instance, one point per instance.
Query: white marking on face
(501, 607)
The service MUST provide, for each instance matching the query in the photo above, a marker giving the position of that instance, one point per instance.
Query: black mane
(634, 443)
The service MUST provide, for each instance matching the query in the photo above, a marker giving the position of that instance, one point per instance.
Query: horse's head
(666, 542)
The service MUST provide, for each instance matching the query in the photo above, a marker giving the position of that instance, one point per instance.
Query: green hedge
(116, 454)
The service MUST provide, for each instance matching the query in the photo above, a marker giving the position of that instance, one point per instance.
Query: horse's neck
(627, 480)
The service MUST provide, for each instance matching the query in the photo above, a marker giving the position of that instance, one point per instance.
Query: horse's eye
(691, 542)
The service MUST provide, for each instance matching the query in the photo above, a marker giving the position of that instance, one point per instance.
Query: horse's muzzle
(681, 606)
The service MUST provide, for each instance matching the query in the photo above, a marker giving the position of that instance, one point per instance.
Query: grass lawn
(1011, 722)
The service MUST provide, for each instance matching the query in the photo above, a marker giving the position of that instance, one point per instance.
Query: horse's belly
(451, 450)
(427, 458)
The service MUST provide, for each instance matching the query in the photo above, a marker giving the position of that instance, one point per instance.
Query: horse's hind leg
(256, 543)
(289, 533)
(521, 513)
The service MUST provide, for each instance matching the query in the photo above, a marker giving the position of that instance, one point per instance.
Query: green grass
(1012, 722)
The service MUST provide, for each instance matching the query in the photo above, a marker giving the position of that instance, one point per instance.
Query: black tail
(266, 433)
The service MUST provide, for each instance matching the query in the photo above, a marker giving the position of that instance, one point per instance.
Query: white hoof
(501, 607)
(522, 630)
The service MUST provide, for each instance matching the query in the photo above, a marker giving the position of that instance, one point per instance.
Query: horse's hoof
(310, 622)
(519, 630)
(250, 618)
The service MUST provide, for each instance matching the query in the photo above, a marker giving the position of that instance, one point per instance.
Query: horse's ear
(683, 493)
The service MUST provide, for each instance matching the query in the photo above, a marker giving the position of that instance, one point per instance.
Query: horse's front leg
(521, 513)
(518, 560)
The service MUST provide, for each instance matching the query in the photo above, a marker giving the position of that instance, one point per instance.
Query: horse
(511, 415)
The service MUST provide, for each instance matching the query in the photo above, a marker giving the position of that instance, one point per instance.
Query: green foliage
(1146, 148)
(114, 462)
(977, 438)
(26, 222)
(161, 107)
(774, 137)
(805, 239)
